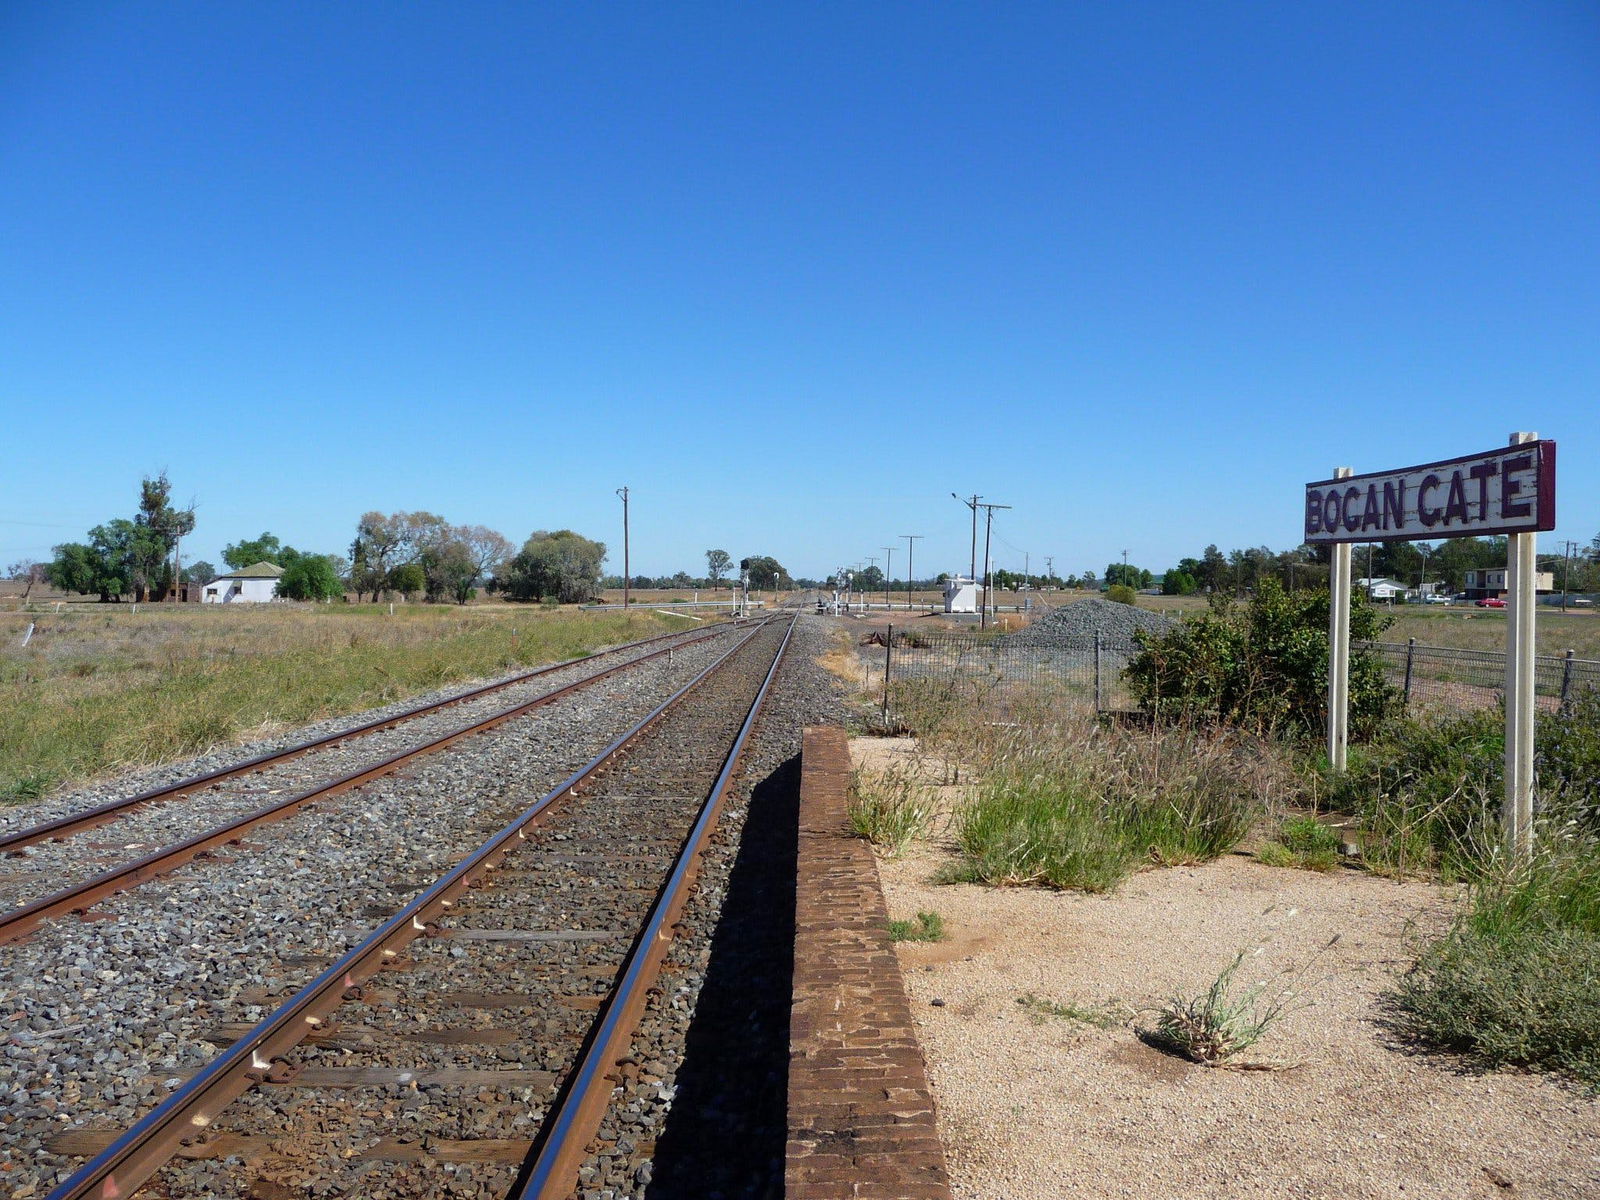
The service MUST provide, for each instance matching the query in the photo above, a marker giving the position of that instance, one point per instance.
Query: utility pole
(1050, 567)
(911, 545)
(973, 505)
(627, 575)
(872, 560)
(1125, 582)
(1566, 572)
(1026, 559)
(888, 573)
(988, 533)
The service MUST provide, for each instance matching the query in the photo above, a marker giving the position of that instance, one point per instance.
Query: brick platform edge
(861, 1116)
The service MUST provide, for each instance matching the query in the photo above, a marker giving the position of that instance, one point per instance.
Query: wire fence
(1436, 680)
(927, 670)
(963, 670)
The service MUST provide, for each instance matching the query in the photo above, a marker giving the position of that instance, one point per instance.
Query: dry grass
(1485, 629)
(106, 687)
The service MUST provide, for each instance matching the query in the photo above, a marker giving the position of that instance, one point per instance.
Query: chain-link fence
(1441, 679)
(938, 670)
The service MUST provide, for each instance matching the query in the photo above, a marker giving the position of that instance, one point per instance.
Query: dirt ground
(1039, 1106)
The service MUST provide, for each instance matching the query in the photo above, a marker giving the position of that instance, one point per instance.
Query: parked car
(1490, 602)
(1435, 598)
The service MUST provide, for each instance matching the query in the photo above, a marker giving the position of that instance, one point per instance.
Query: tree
(562, 565)
(310, 577)
(767, 573)
(1178, 583)
(719, 562)
(375, 551)
(408, 579)
(77, 567)
(487, 548)
(161, 527)
(201, 572)
(247, 552)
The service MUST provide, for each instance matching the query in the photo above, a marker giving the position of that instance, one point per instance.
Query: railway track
(473, 1038)
(40, 887)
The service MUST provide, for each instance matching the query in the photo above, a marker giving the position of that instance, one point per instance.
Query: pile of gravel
(1072, 626)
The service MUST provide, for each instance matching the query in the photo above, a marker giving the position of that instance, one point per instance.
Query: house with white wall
(248, 585)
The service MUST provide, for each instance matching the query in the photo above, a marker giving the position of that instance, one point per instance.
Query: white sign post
(1511, 492)
(1339, 650)
(1521, 566)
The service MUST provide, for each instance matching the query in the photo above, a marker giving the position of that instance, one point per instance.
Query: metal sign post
(1339, 650)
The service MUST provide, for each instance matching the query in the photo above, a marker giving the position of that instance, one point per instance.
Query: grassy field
(100, 687)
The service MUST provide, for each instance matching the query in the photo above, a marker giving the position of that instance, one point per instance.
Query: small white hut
(960, 595)
(248, 585)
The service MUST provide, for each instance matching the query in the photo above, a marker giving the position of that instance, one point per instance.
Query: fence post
(888, 655)
(1411, 654)
(1566, 679)
(1097, 672)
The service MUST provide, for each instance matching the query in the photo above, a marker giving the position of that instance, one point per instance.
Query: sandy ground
(1050, 1107)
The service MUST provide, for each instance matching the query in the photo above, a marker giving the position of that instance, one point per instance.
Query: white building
(960, 595)
(1382, 589)
(247, 585)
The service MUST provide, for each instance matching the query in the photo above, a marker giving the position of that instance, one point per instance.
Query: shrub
(1121, 593)
(1429, 794)
(1514, 981)
(1263, 666)
(1218, 1023)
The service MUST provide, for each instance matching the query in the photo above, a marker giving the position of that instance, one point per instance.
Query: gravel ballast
(96, 1012)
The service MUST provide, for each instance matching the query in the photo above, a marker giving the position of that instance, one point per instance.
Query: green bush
(1514, 981)
(1121, 593)
(1303, 842)
(1263, 665)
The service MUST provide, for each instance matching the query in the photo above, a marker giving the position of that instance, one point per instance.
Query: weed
(928, 927)
(1303, 842)
(1101, 1016)
(32, 786)
(1217, 1024)
(889, 808)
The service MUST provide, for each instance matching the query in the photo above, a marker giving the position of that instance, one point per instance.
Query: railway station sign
(1511, 489)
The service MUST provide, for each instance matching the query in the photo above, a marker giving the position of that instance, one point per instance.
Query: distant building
(1382, 589)
(248, 585)
(960, 595)
(1491, 583)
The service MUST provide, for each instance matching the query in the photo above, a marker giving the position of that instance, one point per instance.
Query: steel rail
(551, 1172)
(257, 1057)
(18, 922)
(88, 819)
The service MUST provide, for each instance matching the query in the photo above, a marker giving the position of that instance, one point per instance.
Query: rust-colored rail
(257, 1057)
(78, 822)
(552, 1169)
(19, 922)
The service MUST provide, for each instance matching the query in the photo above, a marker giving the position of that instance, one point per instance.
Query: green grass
(1084, 811)
(1516, 982)
(1303, 842)
(889, 808)
(928, 927)
(108, 688)
(1102, 1016)
(1220, 1022)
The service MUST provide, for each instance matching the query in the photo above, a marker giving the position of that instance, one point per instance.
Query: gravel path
(1035, 1106)
(96, 1013)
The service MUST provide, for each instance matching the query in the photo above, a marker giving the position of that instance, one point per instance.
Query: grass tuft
(928, 927)
(889, 808)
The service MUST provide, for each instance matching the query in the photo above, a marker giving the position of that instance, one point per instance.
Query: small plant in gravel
(1101, 1016)
(1302, 842)
(889, 808)
(928, 927)
(1215, 1025)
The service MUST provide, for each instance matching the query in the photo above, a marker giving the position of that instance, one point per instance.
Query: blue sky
(792, 273)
